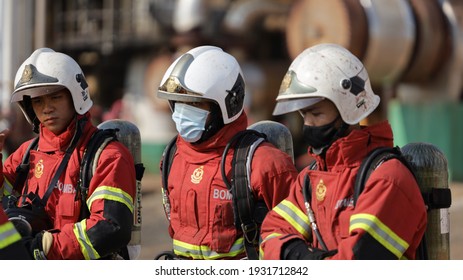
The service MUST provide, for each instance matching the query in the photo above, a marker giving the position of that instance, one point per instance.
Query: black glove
(319, 254)
(34, 246)
(297, 249)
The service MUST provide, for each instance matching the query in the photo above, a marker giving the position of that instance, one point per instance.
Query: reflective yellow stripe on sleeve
(294, 216)
(380, 232)
(7, 188)
(111, 193)
(203, 252)
(270, 236)
(8, 235)
(86, 247)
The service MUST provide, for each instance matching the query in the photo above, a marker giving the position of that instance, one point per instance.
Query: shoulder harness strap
(22, 171)
(249, 213)
(23, 168)
(369, 164)
(92, 153)
(307, 187)
(166, 164)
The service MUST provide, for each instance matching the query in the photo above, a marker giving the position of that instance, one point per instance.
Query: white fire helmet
(332, 72)
(206, 73)
(45, 72)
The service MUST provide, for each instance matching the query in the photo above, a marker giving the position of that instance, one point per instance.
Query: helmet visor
(35, 91)
(291, 105)
(173, 90)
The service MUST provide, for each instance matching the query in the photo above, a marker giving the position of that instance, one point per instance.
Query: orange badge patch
(38, 169)
(197, 175)
(321, 190)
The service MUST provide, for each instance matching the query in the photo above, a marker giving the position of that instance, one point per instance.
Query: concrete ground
(155, 237)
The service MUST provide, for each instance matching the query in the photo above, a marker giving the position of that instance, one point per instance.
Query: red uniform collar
(49, 142)
(352, 148)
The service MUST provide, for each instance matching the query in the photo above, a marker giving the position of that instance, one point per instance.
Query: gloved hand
(319, 254)
(297, 249)
(39, 245)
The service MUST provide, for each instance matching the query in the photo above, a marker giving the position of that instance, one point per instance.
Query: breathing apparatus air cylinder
(128, 134)
(430, 166)
(277, 134)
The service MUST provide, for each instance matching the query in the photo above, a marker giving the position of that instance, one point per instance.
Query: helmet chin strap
(35, 125)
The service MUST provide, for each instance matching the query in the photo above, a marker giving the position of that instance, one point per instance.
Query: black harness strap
(64, 161)
(23, 168)
(369, 164)
(244, 204)
(99, 140)
(167, 158)
(307, 187)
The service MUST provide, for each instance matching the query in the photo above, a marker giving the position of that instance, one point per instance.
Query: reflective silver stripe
(380, 232)
(204, 252)
(8, 235)
(86, 247)
(294, 216)
(111, 193)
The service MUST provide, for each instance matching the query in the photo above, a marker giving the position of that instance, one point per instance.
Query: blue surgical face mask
(190, 121)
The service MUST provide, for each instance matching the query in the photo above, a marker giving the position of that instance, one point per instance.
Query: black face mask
(322, 136)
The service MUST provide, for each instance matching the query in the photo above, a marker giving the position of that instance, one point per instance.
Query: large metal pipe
(391, 37)
(311, 22)
(244, 14)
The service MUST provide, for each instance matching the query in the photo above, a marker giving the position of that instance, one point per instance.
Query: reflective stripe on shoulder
(294, 216)
(8, 235)
(86, 247)
(380, 232)
(111, 193)
(203, 252)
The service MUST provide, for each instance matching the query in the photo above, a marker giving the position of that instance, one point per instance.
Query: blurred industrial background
(413, 50)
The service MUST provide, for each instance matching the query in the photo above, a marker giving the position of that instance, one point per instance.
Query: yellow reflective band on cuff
(8, 235)
(270, 236)
(294, 216)
(86, 247)
(7, 188)
(203, 252)
(111, 193)
(380, 232)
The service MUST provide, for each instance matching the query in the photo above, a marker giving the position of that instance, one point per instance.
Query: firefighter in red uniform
(205, 89)
(331, 90)
(52, 92)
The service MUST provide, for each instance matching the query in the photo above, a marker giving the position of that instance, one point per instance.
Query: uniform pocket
(67, 209)
(344, 223)
(189, 215)
(223, 228)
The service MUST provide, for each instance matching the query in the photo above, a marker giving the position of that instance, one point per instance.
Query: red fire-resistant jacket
(110, 194)
(388, 221)
(201, 218)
